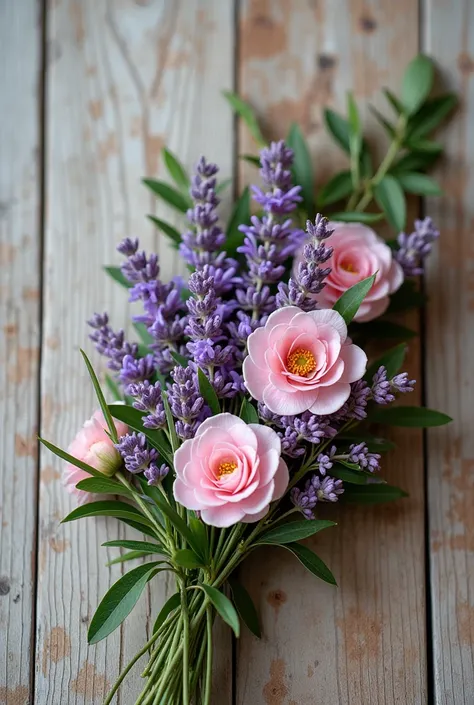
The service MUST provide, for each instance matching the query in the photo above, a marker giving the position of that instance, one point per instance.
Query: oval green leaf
(294, 531)
(176, 170)
(302, 167)
(311, 561)
(170, 605)
(375, 493)
(168, 194)
(409, 417)
(356, 217)
(245, 607)
(173, 234)
(337, 188)
(417, 83)
(390, 197)
(348, 304)
(208, 393)
(392, 360)
(224, 607)
(118, 276)
(102, 485)
(339, 129)
(419, 184)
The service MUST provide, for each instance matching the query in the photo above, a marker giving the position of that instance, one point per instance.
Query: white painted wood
(449, 37)
(124, 78)
(20, 39)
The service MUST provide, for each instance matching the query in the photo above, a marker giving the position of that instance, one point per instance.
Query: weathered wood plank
(363, 642)
(123, 79)
(449, 35)
(20, 87)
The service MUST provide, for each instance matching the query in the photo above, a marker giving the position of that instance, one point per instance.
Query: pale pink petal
(268, 465)
(223, 516)
(330, 318)
(282, 479)
(369, 311)
(355, 363)
(267, 439)
(395, 276)
(259, 499)
(288, 404)
(185, 495)
(182, 456)
(224, 421)
(209, 498)
(240, 496)
(253, 518)
(330, 399)
(333, 375)
(257, 344)
(255, 379)
(282, 315)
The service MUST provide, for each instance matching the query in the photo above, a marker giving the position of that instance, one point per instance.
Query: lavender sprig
(414, 248)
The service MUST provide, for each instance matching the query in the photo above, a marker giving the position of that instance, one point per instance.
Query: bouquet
(248, 401)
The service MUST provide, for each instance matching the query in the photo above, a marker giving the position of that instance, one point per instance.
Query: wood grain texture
(123, 79)
(363, 642)
(20, 39)
(449, 37)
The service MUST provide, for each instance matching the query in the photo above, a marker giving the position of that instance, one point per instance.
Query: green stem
(185, 614)
(207, 692)
(117, 683)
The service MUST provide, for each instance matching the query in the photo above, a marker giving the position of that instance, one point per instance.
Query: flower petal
(223, 516)
(355, 363)
(330, 399)
(288, 404)
(185, 495)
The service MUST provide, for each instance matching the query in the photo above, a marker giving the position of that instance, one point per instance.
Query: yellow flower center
(301, 362)
(349, 267)
(227, 467)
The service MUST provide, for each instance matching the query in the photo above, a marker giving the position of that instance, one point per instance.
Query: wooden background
(90, 92)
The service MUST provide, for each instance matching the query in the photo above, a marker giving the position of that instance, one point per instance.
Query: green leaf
(168, 194)
(302, 167)
(356, 217)
(380, 329)
(143, 334)
(374, 444)
(176, 170)
(224, 607)
(186, 558)
(413, 162)
(101, 399)
(429, 146)
(179, 359)
(242, 108)
(118, 276)
(417, 83)
(171, 424)
(355, 138)
(251, 159)
(419, 184)
(119, 601)
(393, 100)
(387, 126)
(199, 532)
(311, 561)
(294, 531)
(208, 392)
(348, 304)
(354, 477)
(70, 458)
(392, 360)
(223, 185)
(102, 485)
(134, 418)
(108, 508)
(390, 197)
(130, 556)
(339, 128)
(170, 605)
(143, 546)
(248, 412)
(113, 388)
(173, 234)
(409, 417)
(431, 114)
(405, 298)
(179, 524)
(336, 189)
(245, 607)
(376, 493)
(239, 216)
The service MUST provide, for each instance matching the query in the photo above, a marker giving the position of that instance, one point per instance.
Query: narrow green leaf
(387, 126)
(409, 417)
(143, 334)
(380, 329)
(173, 234)
(171, 424)
(420, 145)
(245, 607)
(374, 444)
(168, 194)
(102, 485)
(356, 217)
(113, 388)
(431, 114)
(239, 216)
(339, 128)
(392, 360)
(251, 159)
(70, 458)
(246, 112)
(354, 477)
(390, 197)
(348, 304)
(130, 556)
(337, 188)
(179, 524)
(116, 274)
(248, 412)
(176, 170)
(406, 297)
(224, 607)
(141, 528)
(417, 83)
(170, 605)
(199, 531)
(294, 531)
(355, 138)
(420, 184)
(376, 493)
(143, 546)
(186, 558)
(119, 601)
(108, 508)
(414, 161)
(179, 359)
(223, 185)
(311, 561)
(393, 100)
(302, 167)
(134, 418)
(208, 392)
(101, 399)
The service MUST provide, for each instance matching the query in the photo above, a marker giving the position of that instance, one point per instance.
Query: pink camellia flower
(302, 361)
(358, 253)
(230, 471)
(93, 446)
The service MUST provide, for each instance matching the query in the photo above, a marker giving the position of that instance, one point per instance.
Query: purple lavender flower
(360, 455)
(325, 460)
(309, 277)
(383, 389)
(401, 383)
(110, 343)
(328, 489)
(290, 443)
(316, 489)
(304, 500)
(148, 398)
(414, 248)
(186, 402)
(138, 267)
(155, 474)
(135, 452)
(355, 406)
(136, 370)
